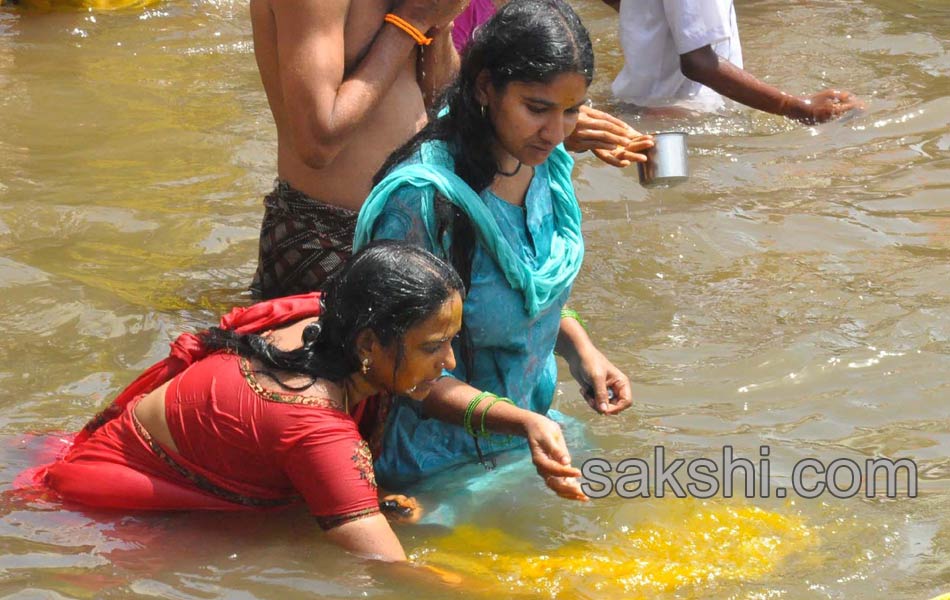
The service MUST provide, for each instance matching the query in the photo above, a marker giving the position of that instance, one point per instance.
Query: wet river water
(794, 294)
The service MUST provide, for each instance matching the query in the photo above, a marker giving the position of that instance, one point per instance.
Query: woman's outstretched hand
(552, 459)
(608, 138)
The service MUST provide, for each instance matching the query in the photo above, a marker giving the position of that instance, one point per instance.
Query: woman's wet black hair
(387, 287)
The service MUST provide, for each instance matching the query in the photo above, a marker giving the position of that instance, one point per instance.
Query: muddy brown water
(793, 294)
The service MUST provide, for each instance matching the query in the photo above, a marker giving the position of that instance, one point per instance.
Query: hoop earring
(364, 369)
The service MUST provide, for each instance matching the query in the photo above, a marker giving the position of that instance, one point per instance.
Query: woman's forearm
(450, 398)
(456, 402)
(572, 340)
(450, 401)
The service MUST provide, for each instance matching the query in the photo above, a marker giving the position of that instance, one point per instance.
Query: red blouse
(248, 439)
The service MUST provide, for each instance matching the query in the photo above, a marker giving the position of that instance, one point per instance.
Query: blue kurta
(513, 349)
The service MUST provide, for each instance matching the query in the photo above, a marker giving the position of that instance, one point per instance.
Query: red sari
(239, 446)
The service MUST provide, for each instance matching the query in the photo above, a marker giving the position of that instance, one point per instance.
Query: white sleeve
(698, 23)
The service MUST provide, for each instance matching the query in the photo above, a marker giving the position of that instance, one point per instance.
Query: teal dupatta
(540, 284)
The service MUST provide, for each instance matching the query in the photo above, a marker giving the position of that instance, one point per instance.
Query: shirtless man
(345, 89)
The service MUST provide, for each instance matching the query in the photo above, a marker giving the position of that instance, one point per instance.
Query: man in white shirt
(687, 52)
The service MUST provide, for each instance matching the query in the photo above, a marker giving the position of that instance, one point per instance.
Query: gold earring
(484, 111)
(365, 368)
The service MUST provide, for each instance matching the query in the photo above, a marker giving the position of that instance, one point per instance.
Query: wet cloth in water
(524, 265)
(239, 445)
(303, 241)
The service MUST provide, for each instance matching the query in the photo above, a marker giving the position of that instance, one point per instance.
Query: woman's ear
(482, 85)
(367, 344)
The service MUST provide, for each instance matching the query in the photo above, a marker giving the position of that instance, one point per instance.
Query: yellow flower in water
(697, 544)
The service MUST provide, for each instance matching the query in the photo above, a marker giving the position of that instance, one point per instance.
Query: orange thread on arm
(409, 28)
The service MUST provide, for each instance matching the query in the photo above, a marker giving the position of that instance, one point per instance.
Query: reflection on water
(792, 294)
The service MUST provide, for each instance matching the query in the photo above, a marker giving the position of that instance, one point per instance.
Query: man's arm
(704, 66)
(438, 65)
(323, 107)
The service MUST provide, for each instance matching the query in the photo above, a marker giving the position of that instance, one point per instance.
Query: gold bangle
(409, 28)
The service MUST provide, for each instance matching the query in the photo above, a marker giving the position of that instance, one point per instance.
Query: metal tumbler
(666, 163)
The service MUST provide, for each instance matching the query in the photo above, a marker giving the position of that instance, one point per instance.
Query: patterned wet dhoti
(303, 242)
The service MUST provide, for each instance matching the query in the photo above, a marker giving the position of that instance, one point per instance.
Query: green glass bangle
(484, 432)
(470, 410)
(569, 313)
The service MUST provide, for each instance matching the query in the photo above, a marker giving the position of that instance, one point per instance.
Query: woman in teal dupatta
(487, 185)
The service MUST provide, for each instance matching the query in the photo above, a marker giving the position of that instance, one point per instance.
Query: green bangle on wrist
(470, 410)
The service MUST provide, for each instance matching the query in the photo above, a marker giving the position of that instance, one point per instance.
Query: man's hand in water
(551, 458)
(608, 138)
(824, 106)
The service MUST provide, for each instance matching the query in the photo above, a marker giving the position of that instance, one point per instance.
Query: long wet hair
(387, 287)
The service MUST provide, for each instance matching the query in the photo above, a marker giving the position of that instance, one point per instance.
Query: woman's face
(531, 119)
(427, 349)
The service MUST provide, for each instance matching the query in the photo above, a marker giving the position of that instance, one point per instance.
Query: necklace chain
(511, 173)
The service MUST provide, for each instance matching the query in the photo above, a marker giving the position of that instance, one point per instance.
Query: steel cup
(666, 163)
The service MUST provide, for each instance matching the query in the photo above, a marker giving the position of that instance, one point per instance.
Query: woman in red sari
(276, 405)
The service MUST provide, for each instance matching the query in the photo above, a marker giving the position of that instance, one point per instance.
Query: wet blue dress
(513, 343)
